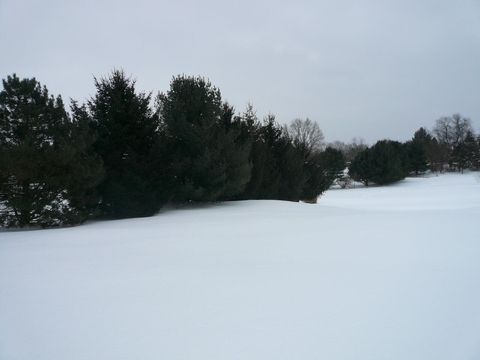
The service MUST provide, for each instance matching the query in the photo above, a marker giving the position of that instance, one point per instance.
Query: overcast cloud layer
(372, 69)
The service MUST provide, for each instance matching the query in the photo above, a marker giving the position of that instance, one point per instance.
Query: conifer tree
(465, 153)
(416, 157)
(333, 163)
(383, 163)
(208, 159)
(418, 151)
(361, 168)
(45, 159)
(126, 134)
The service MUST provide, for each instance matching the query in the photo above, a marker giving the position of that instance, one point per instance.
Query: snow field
(368, 273)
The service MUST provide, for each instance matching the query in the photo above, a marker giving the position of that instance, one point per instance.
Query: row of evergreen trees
(118, 156)
(453, 146)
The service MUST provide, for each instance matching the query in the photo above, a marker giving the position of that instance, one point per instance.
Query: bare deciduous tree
(351, 149)
(452, 130)
(306, 134)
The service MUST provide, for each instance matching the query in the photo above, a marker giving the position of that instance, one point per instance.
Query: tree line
(451, 146)
(125, 153)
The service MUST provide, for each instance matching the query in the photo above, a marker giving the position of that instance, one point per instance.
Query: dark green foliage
(88, 171)
(465, 154)
(290, 162)
(476, 157)
(384, 163)
(333, 161)
(362, 167)
(265, 179)
(46, 162)
(459, 157)
(315, 181)
(417, 158)
(472, 151)
(207, 155)
(417, 151)
(322, 168)
(277, 165)
(126, 133)
(424, 151)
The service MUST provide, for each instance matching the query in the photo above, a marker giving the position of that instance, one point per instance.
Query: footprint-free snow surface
(369, 273)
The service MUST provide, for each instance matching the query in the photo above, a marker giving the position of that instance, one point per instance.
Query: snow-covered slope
(369, 273)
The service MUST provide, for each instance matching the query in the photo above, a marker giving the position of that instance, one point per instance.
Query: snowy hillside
(369, 273)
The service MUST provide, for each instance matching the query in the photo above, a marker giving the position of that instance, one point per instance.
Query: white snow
(370, 273)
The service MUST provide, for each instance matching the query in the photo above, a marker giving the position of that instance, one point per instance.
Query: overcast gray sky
(373, 69)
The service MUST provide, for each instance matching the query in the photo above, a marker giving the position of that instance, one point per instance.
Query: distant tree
(316, 179)
(349, 150)
(322, 168)
(362, 168)
(417, 151)
(384, 163)
(472, 150)
(208, 155)
(459, 157)
(461, 127)
(452, 130)
(46, 161)
(451, 133)
(306, 135)
(443, 131)
(333, 162)
(280, 162)
(126, 134)
(476, 157)
(465, 153)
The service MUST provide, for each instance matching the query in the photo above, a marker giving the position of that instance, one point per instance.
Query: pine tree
(265, 179)
(208, 159)
(333, 162)
(384, 163)
(417, 151)
(465, 153)
(41, 152)
(361, 168)
(416, 157)
(126, 135)
(473, 151)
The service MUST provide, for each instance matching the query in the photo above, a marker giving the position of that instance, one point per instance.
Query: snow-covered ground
(370, 273)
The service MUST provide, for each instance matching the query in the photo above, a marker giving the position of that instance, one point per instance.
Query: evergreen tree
(258, 155)
(416, 157)
(86, 169)
(476, 157)
(459, 157)
(236, 150)
(473, 151)
(422, 152)
(465, 153)
(383, 163)
(290, 163)
(362, 168)
(277, 161)
(333, 161)
(46, 163)
(208, 158)
(126, 134)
